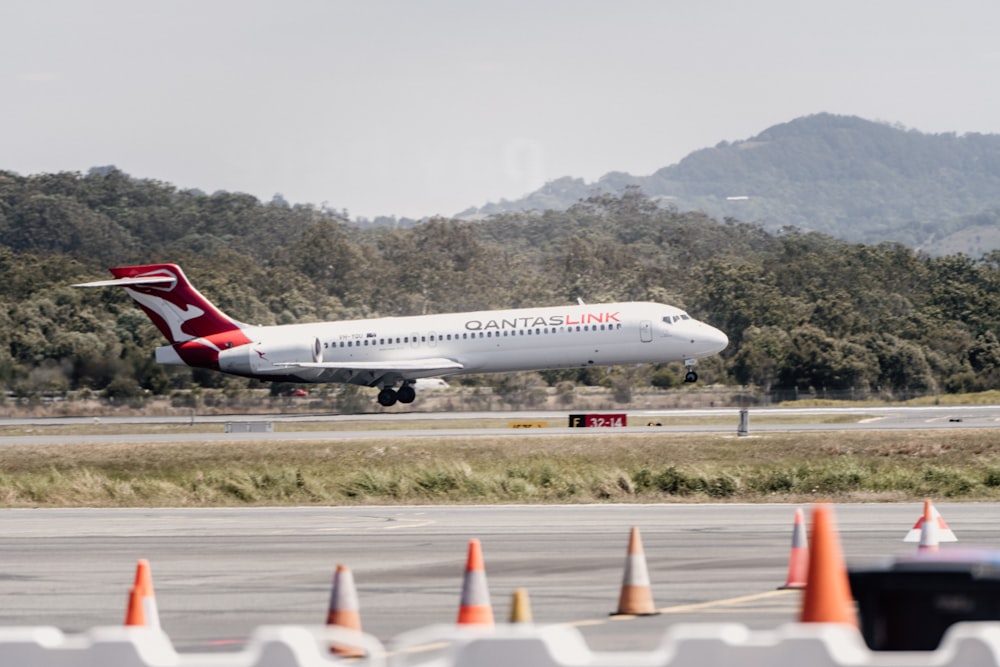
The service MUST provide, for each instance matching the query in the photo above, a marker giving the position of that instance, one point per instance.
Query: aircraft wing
(400, 366)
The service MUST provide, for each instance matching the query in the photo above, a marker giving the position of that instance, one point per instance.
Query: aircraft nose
(713, 340)
(720, 339)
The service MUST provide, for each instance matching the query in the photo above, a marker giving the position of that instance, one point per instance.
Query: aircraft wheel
(691, 377)
(406, 393)
(387, 397)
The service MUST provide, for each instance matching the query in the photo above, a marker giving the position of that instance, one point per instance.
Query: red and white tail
(178, 310)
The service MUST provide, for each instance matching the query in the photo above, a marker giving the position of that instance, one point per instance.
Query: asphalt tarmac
(207, 428)
(219, 573)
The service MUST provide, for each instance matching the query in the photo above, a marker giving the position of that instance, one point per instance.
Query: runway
(219, 573)
(211, 428)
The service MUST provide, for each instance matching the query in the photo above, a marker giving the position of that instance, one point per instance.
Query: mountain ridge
(855, 179)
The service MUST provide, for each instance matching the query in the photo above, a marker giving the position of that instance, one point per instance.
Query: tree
(903, 367)
(330, 259)
(818, 362)
(762, 354)
(519, 390)
(984, 359)
(60, 224)
(738, 296)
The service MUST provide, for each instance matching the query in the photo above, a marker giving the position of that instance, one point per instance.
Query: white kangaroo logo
(175, 316)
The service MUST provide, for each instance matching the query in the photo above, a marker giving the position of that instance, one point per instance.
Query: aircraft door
(646, 331)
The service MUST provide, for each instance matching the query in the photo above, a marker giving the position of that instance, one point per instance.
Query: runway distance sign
(599, 420)
(528, 424)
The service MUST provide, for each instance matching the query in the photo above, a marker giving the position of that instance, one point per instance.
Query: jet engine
(262, 357)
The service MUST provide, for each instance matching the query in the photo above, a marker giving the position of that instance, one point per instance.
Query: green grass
(521, 468)
(991, 397)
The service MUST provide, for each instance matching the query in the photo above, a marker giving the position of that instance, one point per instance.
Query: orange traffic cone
(798, 559)
(344, 611)
(142, 599)
(475, 608)
(520, 607)
(636, 596)
(943, 532)
(827, 596)
(928, 530)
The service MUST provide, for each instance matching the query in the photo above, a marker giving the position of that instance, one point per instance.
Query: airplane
(430, 384)
(393, 353)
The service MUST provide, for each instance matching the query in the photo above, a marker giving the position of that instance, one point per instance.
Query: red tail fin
(177, 309)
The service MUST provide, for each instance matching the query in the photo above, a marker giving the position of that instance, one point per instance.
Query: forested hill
(805, 312)
(848, 177)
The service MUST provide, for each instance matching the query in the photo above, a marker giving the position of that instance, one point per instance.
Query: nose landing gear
(691, 376)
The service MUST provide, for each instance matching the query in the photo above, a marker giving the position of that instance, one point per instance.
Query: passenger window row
(471, 335)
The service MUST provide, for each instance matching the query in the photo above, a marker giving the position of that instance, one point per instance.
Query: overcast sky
(414, 108)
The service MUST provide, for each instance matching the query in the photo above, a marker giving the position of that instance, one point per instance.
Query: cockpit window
(670, 319)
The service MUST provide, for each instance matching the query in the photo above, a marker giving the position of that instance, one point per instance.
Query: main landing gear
(691, 375)
(388, 396)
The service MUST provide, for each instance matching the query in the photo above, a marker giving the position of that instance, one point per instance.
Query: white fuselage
(488, 341)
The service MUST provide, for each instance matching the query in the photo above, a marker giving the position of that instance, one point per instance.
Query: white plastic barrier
(689, 645)
(121, 646)
(249, 427)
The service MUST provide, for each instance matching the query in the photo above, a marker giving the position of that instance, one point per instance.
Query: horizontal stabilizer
(129, 282)
(434, 364)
